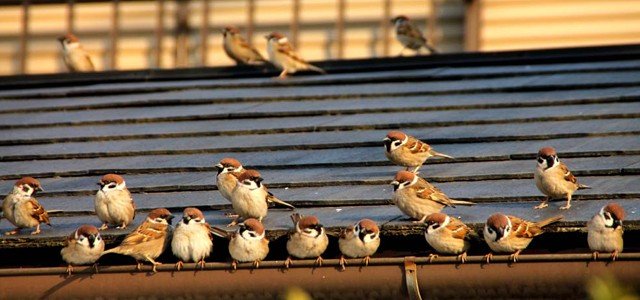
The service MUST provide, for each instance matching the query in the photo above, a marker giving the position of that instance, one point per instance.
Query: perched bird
(605, 231)
(228, 171)
(75, 57)
(448, 236)
(417, 198)
(238, 49)
(407, 151)
(359, 240)
(247, 244)
(84, 246)
(22, 209)
(554, 179)
(114, 204)
(308, 240)
(149, 240)
(283, 56)
(509, 234)
(410, 36)
(191, 239)
(250, 198)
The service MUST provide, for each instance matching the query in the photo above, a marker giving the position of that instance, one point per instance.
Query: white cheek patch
(283, 40)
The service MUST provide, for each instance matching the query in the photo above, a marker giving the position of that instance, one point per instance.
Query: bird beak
(499, 233)
(617, 223)
(219, 167)
(39, 189)
(186, 219)
(395, 184)
(169, 218)
(92, 240)
(550, 161)
(60, 39)
(387, 144)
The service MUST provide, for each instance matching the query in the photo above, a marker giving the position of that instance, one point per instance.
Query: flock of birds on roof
(191, 240)
(281, 53)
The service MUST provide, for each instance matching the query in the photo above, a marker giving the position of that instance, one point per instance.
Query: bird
(149, 240)
(407, 151)
(84, 246)
(228, 171)
(308, 239)
(554, 179)
(509, 234)
(417, 198)
(22, 209)
(113, 202)
(192, 240)
(359, 240)
(410, 36)
(75, 57)
(283, 56)
(604, 231)
(448, 235)
(250, 198)
(247, 244)
(237, 48)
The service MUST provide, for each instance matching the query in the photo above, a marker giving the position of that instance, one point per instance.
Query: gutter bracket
(411, 278)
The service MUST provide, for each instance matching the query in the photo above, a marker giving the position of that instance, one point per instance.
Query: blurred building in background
(134, 34)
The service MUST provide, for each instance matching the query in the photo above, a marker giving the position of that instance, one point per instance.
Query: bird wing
(567, 174)
(221, 232)
(37, 211)
(458, 229)
(411, 31)
(287, 49)
(144, 233)
(429, 192)
(523, 228)
(416, 146)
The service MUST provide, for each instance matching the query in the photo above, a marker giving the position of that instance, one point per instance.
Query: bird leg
(543, 204)
(488, 257)
(138, 265)
(343, 263)
(12, 232)
(69, 269)
(462, 258)
(319, 261)
(514, 257)
(366, 260)
(614, 255)
(123, 226)
(179, 265)
(595, 255)
(37, 231)
(234, 222)
(568, 203)
(431, 257)
(95, 268)
(256, 264)
(283, 75)
(201, 264)
(288, 262)
(231, 215)
(104, 226)
(234, 264)
(424, 218)
(155, 263)
(415, 170)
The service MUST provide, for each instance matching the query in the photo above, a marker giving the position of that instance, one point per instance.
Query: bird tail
(272, 198)
(295, 218)
(583, 187)
(112, 250)
(314, 68)
(548, 221)
(220, 232)
(434, 153)
(460, 202)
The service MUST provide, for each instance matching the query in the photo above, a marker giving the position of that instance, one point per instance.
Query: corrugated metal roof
(317, 139)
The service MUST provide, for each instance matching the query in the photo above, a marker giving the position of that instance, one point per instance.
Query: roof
(317, 140)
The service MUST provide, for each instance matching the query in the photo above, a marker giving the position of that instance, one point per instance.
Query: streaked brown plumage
(238, 49)
(407, 151)
(84, 246)
(554, 179)
(75, 57)
(308, 240)
(605, 230)
(410, 36)
(22, 209)
(448, 235)
(359, 241)
(284, 57)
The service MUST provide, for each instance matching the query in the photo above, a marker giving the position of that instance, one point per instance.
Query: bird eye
(396, 143)
(607, 216)
(490, 230)
(252, 234)
(98, 238)
(112, 185)
(540, 160)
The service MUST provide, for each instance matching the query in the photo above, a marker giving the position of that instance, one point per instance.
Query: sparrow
(554, 179)
(228, 171)
(149, 240)
(448, 236)
(238, 49)
(604, 231)
(113, 202)
(247, 244)
(250, 198)
(84, 246)
(359, 240)
(308, 239)
(407, 151)
(22, 209)
(417, 198)
(283, 56)
(191, 239)
(509, 234)
(75, 57)
(410, 36)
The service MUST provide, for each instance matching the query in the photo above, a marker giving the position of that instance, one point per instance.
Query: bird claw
(595, 255)
(542, 205)
(431, 257)
(343, 263)
(201, 264)
(514, 257)
(488, 257)
(256, 264)
(319, 261)
(95, 268)
(565, 207)
(104, 226)
(179, 265)
(234, 265)
(231, 215)
(69, 270)
(614, 255)
(155, 264)
(288, 262)
(366, 260)
(462, 258)
(37, 231)
(12, 232)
